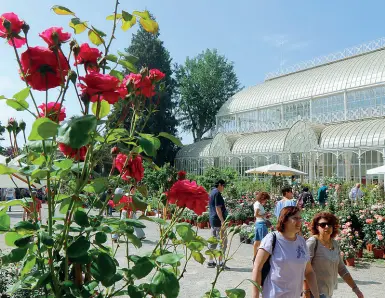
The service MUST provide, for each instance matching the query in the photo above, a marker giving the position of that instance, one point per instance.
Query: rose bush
(68, 254)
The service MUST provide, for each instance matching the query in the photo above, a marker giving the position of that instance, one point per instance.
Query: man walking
(322, 194)
(218, 214)
(356, 194)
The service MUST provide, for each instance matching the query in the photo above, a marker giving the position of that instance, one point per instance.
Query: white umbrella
(275, 169)
(375, 171)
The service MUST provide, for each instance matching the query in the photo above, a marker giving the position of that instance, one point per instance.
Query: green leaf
(128, 20)
(22, 242)
(134, 240)
(112, 17)
(171, 284)
(76, 132)
(101, 237)
(28, 265)
(116, 134)
(149, 145)
(185, 231)
(19, 102)
(215, 294)
(79, 247)
(137, 204)
(108, 282)
(195, 246)
(5, 222)
(42, 129)
(4, 170)
(25, 225)
(46, 239)
(64, 205)
(11, 237)
(98, 185)
(170, 258)
(94, 38)
(39, 174)
(61, 10)
(78, 25)
(198, 257)
(128, 65)
(17, 254)
(158, 220)
(143, 14)
(255, 284)
(106, 265)
(64, 164)
(104, 108)
(39, 161)
(117, 74)
(134, 223)
(236, 293)
(143, 266)
(81, 218)
(149, 25)
(173, 139)
(112, 58)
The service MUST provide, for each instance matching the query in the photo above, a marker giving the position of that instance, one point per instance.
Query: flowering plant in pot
(70, 254)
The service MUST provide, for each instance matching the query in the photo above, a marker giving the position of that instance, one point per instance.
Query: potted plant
(205, 219)
(230, 219)
(378, 245)
(237, 218)
(200, 222)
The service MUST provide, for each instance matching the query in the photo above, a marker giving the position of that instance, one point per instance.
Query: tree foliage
(204, 83)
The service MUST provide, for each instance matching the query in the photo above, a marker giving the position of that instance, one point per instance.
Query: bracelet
(305, 291)
(355, 288)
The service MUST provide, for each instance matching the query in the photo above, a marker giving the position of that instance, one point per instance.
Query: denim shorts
(260, 230)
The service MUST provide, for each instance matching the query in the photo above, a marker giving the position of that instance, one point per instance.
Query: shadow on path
(241, 269)
(362, 282)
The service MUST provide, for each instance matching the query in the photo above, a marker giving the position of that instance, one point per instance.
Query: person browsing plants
(288, 257)
(325, 256)
(260, 220)
(218, 214)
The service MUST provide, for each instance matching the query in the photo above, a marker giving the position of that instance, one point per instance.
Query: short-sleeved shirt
(216, 200)
(326, 264)
(288, 263)
(282, 204)
(259, 206)
(322, 194)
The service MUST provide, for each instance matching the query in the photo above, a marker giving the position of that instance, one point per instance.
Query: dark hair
(286, 212)
(331, 218)
(306, 188)
(220, 182)
(286, 189)
(132, 187)
(262, 196)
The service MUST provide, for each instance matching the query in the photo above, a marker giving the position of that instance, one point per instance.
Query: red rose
(142, 85)
(156, 75)
(77, 154)
(88, 56)
(52, 110)
(55, 36)
(188, 194)
(15, 28)
(132, 168)
(105, 85)
(181, 175)
(41, 68)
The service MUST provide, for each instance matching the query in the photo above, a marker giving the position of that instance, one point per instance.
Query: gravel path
(370, 276)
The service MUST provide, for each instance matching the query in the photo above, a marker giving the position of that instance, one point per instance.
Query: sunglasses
(324, 224)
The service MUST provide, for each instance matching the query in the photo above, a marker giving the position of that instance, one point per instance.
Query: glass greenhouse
(325, 118)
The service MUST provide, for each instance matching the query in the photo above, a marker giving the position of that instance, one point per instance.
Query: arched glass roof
(337, 76)
(369, 133)
(222, 144)
(265, 142)
(303, 136)
(198, 149)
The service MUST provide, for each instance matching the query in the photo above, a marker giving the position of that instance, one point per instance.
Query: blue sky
(258, 36)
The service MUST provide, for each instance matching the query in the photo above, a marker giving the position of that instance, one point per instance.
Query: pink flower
(369, 221)
(156, 75)
(15, 27)
(55, 36)
(52, 110)
(380, 237)
(378, 232)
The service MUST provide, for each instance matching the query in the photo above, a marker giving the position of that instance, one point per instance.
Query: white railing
(349, 52)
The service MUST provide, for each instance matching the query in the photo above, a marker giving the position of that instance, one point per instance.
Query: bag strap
(274, 242)
(315, 248)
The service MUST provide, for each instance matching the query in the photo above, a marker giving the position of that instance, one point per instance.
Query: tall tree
(151, 53)
(204, 83)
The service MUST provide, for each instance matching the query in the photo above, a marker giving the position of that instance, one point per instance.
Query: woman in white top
(289, 262)
(260, 220)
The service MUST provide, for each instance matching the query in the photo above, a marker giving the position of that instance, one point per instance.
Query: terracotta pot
(350, 262)
(369, 247)
(201, 225)
(360, 253)
(238, 222)
(378, 253)
(247, 221)
(231, 223)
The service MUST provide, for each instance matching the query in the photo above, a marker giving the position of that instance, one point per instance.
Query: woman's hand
(307, 295)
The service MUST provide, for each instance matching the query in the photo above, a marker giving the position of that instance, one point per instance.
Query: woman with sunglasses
(289, 262)
(326, 258)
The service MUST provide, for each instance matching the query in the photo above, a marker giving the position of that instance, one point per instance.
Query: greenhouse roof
(198, 149)
(362, 70)
(368, 133)
(264, 142)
